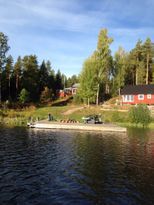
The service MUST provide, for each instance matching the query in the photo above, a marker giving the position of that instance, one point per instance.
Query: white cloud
(63, 16)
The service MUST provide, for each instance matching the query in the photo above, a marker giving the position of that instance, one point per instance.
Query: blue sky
(65, 31)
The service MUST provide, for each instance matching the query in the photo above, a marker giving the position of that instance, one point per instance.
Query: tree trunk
(107, 90)
(0, 88)
(147, 72)
(17, 82)
(136, 77)
(97, 96)
(17, 85)
(88, 102)
(9, 88)
(119, 91)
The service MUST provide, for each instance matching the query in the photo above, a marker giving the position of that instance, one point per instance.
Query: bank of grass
(12, 117)
(21, 117)
(131, 125)
(107, 116)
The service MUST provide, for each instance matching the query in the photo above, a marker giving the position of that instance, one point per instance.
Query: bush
(140, 114)
(24, 96)
(77, 99)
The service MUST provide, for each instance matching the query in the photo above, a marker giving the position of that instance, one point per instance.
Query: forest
(27, 81)
(103, 74)
(101, 77)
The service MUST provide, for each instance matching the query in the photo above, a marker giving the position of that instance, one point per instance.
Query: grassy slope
(21, 117)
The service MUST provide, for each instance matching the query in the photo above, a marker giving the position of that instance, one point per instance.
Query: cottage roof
(137, 89)
(76, 85)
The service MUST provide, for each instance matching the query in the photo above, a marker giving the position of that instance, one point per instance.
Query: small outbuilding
(68, 91)
(75, 87)
(138, 94)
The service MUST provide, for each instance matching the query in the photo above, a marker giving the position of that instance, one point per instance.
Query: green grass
(56, 111)
(131, 125)
(21, 117)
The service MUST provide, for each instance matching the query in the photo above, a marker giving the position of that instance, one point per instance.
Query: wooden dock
(44, 124)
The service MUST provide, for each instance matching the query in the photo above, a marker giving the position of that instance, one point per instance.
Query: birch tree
(103, 57)
(120, 67)
(87, 88)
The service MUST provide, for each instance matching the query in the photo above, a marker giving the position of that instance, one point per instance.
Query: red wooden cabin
(138, 94)
(68, 91)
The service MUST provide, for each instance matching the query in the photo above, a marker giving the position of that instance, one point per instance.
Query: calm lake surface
(49, 167)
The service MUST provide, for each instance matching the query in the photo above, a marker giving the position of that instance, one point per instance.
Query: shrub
(140, 114)
(77, 99)
(24, 96)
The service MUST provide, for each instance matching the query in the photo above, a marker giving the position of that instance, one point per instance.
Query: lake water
(49, 167)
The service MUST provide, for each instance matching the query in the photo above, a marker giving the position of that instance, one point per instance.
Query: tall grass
(21, 117)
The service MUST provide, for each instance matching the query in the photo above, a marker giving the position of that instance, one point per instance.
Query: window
(128, 98)
(141, 97)
(148, 96)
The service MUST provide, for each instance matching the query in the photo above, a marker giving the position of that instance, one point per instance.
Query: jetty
(105, 127)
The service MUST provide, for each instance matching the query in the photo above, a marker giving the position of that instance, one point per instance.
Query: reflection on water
(46, 167)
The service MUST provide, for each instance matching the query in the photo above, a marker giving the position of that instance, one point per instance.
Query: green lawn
(21, 117)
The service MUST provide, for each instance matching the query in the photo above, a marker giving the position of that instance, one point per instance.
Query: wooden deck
(44, 124)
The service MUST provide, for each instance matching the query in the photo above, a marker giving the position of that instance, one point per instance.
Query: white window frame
(149, 96)
(141, 97)
(131, 97)
(128, 98)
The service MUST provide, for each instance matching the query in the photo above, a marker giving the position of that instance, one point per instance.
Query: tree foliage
(140, 114)
(120, 69)
(43, 76)
(3, 50)
(88, 82)
(46, 95)
(97, 69)
(24, 96)
(7, 77)
(124, 68)
(102, 74)
(18, 74)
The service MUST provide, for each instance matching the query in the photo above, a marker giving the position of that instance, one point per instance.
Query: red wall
(145, 101)
(61, 94)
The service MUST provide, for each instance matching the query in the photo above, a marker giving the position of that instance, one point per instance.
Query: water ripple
(44, 167)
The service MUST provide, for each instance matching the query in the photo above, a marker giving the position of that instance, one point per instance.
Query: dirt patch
(68, 112)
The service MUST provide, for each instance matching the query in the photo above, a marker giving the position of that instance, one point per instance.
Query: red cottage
(138, 94)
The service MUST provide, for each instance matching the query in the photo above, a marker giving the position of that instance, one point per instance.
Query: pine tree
(30, 77)
(139, 72)
(18, 74)
(3, 50)
(8, 73)
(58, 80)
(148, 59)
(43, 76)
